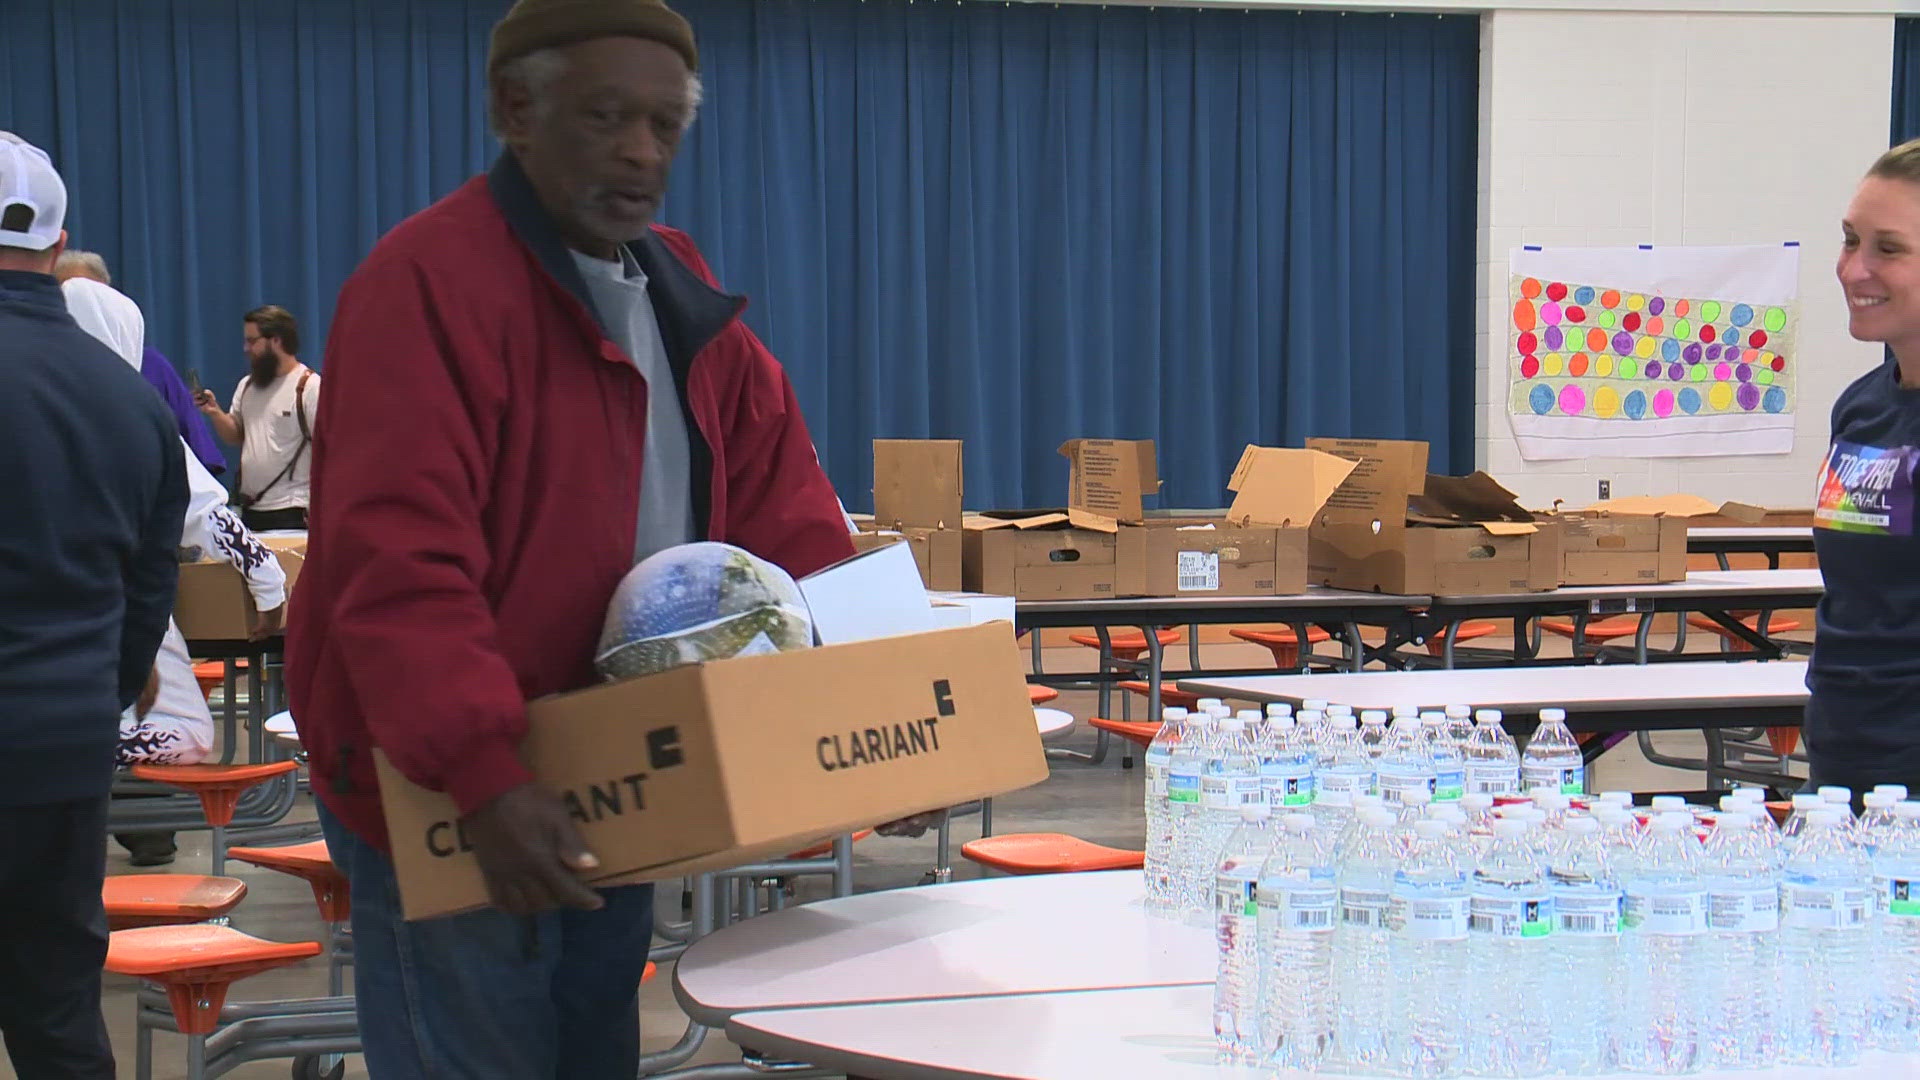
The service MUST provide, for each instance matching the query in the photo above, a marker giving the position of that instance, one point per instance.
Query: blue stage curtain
(1906, 80)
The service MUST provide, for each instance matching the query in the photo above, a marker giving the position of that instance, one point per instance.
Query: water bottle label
(1288, 790)
(1364, 909)
(1900, 896)
(1669, 914)
(1493, 779)
(1234, 896)
(1156, 780)
(1338, 789)
(1570, 780)
(1511, 916)
(1588, 915)
(1394, 786)
(1246, 791)
(1429, 918)
(1449, 785)
(1183, 788)
(1824, 907)
(1216, 793)
(1297, 905)
(1752, 910)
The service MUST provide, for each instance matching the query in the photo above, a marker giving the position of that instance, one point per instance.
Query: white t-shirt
(270, 435)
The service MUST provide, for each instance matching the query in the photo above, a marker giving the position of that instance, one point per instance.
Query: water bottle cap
(1256, 812)
(1279, 708)
(1206, 703)
(1611, 815)
(1373, 716)
(1553, 716)
(1736, 821)
(1488, 716)
(1376, 818)
(1298, 823)
(1416, 797)
(1346, 723)
(1171, 713)
(1550, 800)
(1316, 704)
(1219, 712)
(1233, 725)
(1459, 712)
(1662, 803)
(1907, 811)
(1731, 804)
(1834, 793)
(1508, 828)
(1338, 710)
(1807, 800)
(1282, 723)
(1540, 792)
(1405, 710)
(1898, 791)
(1310, 716)
(1476, 800)
(1428, 829)
(1879, 800)
(1434, 719)
(1248, 717)
(1581, 826)
(1617, 798)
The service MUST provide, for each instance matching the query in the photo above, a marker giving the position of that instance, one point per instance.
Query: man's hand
(917, 825)
(149, 695)
(207, 403)
(529, 853)
(268, 623)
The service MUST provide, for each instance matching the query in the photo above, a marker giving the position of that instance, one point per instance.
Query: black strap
(306, 437)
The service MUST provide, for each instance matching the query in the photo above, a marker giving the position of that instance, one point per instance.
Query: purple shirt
(193, 426)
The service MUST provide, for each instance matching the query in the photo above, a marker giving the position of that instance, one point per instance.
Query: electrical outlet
(1606, 490)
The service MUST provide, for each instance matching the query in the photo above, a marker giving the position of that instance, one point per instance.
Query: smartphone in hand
(193, 381)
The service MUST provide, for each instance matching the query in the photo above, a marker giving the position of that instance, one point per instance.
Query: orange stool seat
(1126, 644)
(1281, 642)
(196, 964)
(1598, 630)
(219, 786)
(211, 675)
(1048, 853)
(310, 862)
(1170, 695)
(1134, 731)
(1466, 631)
(1040, 695)
(825, 847)
(168, 899)
(647, 973)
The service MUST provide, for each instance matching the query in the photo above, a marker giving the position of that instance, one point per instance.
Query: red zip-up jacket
(476, 484)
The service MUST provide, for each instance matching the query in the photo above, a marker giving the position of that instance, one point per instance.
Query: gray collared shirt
(619, 291)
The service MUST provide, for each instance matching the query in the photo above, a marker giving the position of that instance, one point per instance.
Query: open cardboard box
(1070, 554)
(213, 603)
(1393, 528)
(917, 489)
(1635, 540)
(719, 764)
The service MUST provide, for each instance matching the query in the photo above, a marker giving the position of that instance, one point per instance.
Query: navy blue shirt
(94, 490)
(1863, 721)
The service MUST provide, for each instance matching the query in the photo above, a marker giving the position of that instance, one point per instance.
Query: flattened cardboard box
(730, 762)
(1394, 528)
(213, 603)
(1038, 555)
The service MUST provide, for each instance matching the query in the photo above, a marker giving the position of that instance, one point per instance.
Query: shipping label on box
(730, 762)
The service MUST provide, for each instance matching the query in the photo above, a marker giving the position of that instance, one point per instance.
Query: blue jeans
(489, 996)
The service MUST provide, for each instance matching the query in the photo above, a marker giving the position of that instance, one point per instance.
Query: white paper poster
(1652, 351)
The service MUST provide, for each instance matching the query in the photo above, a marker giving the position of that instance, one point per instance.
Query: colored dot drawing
(1720, 397)
(1709, 310)
(1603, 367)
(1775, 401)
(1636, 405)
(1553, 337)
(1606, 402)
(1530, 288)
(1741, 315)
(1623, 343)
(1748, 397)
(1656, 305)
(1557, 292)
(1550, 365)
(1605, 318)
(1722, 371)
(1757, 339)
(1655, 324)
(1583, 295)
(1610, 299)
(1764, 377)
(1572, 399)
(1775, 320)
(1644, 347)
(1676, 372)
(1689, 401)
(1575, 313)
(1577, 366)
(1550, 313)
(1663, 404)
(1630, 322)
(1596, 339)
(1625, 369)
(1529, 367)
(1698, 373)
(1669, 349)
(1683, 328)
(1745, 373)
(1541, 399)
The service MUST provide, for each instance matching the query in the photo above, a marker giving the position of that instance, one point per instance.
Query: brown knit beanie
(533, 25)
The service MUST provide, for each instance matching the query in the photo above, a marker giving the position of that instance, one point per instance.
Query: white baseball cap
(28, 179)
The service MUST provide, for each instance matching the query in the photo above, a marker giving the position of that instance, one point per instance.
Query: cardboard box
(1393, 528)
(715, 765)
(1636, 540)
(1032, 555)
(936, 552)
(1109, 479)
(917, 489)
(213, 603)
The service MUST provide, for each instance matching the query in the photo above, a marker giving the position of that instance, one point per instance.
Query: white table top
(1698, 686)
(1700, 585)
(1053, 721)
(1316, 597)
(1160, 1032)
(1779, 533)
(993, 936)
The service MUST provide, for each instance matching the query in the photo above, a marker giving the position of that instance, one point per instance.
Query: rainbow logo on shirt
(1866, 489)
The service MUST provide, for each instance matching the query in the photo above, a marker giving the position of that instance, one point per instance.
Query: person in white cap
(95, 496)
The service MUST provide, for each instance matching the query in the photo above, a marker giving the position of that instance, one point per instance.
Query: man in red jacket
(530, 387)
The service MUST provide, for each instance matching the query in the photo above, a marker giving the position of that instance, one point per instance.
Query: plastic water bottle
(1493, 762)
(1236, 987)
(1553, 806)
(1896, 882)
(1344, 772)
(1427, 917)
(1826, 941)
(1898, 791)
(1621, 799)
(1230, 780)
(1620, 835)
(1840, 800)
(1552, 758)
(1405, 764)
(1663, 947)
(1465, 851)
(1510, 926)
(1478, 806)
(1449, 764)
(1361, 972)
(1459, 725)
(1588, 906)
(1286, 768)
(1804, 803)
(1373, 733)
(1185, 763)
(1877, 821)
(1314, 732)
(1297, 898)
(1349, 833)
(1160, 838)
(1743, 919)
